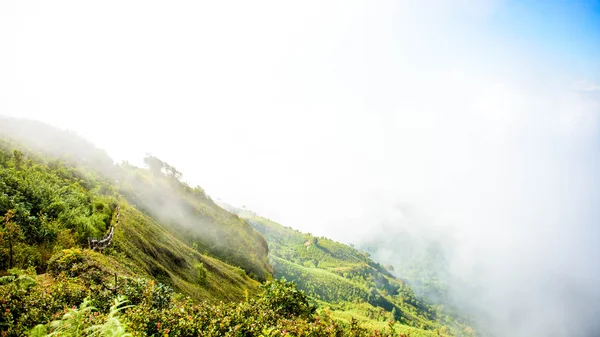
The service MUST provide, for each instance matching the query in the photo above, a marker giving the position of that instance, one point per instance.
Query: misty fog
(471, 124)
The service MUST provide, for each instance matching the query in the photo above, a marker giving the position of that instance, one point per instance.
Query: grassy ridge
(192, 217)
(186, 212)
(144, 245)
(57, 206)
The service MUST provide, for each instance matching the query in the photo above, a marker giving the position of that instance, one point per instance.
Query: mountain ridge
(173, 248)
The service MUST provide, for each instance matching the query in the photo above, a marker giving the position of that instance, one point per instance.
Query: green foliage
(79, 322)
(285, 299)
(280, 310)
(18, 155)
(113, 327)
(43, 200)
(345, 279)
(21, 308)
(69, 261)
(23, 279)
(75, 322)
(55, 207)
(10, 236)
(193, 218)
(68, 307)
(305, 249)
(148, 249)
(26, 302)
(321, 284)
(171, 240)
(200, 273)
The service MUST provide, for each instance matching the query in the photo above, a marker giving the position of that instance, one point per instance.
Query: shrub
(200, 273)
(285, 299)
(80, 322)
(65, 261)
(279, 310)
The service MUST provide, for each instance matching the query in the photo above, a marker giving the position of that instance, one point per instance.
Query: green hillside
(347, 280)
(158, 191)
(58, 207)
(181, 264)
(191, 216)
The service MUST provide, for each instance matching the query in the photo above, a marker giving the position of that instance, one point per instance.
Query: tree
(11, 234)
(200, 273)
(154, 164)
(18, 158)
(285, 299)
(172, 171)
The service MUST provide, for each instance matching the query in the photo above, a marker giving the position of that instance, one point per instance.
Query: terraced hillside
(347, 280)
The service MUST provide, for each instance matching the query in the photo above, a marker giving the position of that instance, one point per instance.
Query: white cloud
(587, 86)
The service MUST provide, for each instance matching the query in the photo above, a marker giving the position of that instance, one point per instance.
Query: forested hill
(349, 281)
(55, 206)
(158, 192)
(184, 265)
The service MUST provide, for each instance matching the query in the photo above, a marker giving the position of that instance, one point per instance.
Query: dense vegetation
(152, 309)
(191, 216)
(185, 212)
(178, 264)
(347, 279)
(50, 206)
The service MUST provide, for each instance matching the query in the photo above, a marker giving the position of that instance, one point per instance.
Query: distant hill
(191, 216)
(58, 144)
(347, 279)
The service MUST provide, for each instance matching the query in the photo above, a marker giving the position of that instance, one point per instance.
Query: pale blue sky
(567, 30)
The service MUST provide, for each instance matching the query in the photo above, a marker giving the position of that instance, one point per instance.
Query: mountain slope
(195, 219)
(346, 279)
(59, 144)
(170, 235)
(185, 212)
(59, 207)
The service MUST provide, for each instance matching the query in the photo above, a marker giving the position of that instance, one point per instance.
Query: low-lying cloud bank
(497, 158)
(512, 202)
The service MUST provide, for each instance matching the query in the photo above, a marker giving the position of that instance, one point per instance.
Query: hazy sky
(308, 111)
(480, 116)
